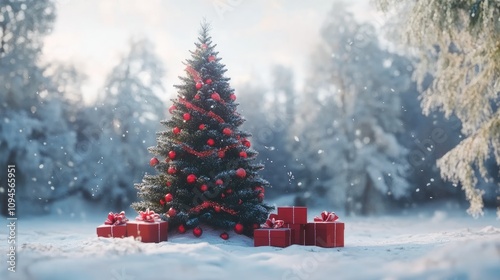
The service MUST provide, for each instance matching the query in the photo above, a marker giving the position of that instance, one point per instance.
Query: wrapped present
(298, 232)
(148, 227)
(293, 214)
(114, 226)
(326, 231)
(277, 237)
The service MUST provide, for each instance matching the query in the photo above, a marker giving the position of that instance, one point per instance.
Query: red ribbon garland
(201, 110)
(205, 153)
(148, 216)
(193, 73)
(207, 204)
(326, 217)
(273, 223)
(116, 219)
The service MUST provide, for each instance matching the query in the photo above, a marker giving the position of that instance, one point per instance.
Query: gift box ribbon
(326, 217)
(148, 216)
(273, 223)
(116, 219)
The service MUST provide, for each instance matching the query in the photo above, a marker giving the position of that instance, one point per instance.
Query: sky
(251, 35)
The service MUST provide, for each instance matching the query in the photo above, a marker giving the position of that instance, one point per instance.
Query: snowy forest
(360, 128)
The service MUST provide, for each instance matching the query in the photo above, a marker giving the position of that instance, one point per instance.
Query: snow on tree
(458, 44)
(351, 116)
(206, 170)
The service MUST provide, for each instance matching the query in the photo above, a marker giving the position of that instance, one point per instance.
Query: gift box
(278, 237)
(148, 232)
(118, 231)
(293, 214)
(298, 233)
(325, 234)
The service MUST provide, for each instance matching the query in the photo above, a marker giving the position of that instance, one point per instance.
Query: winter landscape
(212, 115)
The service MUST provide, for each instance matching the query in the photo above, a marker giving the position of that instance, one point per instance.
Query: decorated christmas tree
(207, 173)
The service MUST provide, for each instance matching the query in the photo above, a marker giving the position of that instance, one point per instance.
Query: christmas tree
(208, 175)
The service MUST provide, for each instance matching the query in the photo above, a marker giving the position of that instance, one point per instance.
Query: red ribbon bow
(116, 219)
(326, 217)
(148, 216)
(273, 223)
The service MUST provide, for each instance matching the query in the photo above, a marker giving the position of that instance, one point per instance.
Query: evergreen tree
(208, 175)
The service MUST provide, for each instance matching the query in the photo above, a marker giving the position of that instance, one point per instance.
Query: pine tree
(208, 175)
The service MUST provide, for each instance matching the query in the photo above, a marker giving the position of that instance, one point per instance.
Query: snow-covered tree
(351, 117)
(458, 45)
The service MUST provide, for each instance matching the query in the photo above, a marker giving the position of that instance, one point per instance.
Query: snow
(419, 245)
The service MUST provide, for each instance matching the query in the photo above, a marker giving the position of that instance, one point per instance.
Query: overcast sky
(252, 35)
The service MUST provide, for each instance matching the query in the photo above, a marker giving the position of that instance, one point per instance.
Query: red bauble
(154, 161)
(211, 58)
(171, 154)
(240, 172)
(221, 154)
(227, 131)
(215, 96)
(198, 85)
(222, 195)
(259, 188)
(172, 109)
(168, 184)
(217, 209)
(210, 142)
(197, 231)
(162, 202)
(171, 170)
(203, 46)
(169, 197)
(243, 154)
(171, 212)
(238, 228)
(247, 143)
(197, 96)
(201, 127)
(229, 191)
(232, 96)
(203, 188)
(240, 201)
(261, 197)
(208, 81)
(181, 229)
(186, 116)
(219, 182)
(224, 235)
(176, 130)
(191, 178)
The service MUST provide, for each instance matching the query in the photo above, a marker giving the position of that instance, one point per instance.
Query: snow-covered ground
(423, 245)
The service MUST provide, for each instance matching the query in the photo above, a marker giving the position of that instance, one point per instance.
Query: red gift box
(298, 233)
(278, 237)
(148, 231)
(112, 231)
(325, 234)
(293, 214)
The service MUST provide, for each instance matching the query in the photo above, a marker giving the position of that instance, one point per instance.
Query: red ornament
(243, 154)
(261, 197)
(203, 188)
(203, 46)
(238, 228)
(197, 96)
(197, 231)
(210, 142)
(201, 127)
(172, 109)
(171, 154)
(171, 212)
(219, 182)
(211, 58)
(168, 184)
(176, 130)
(222, 195)
(169, 197)
(240, 201)
(247, 143)
(229, 191)
(186, 116)
(221, 154)
(181, 229)
(227, 131)
(240, 172)
(215, 96)
(191, 178)
(198, 85)
(224, 236)
(259, 188)
(154, 161)
(208, 81)
(217, 209)
(171, 170)
(162, 202)
(232, 96)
